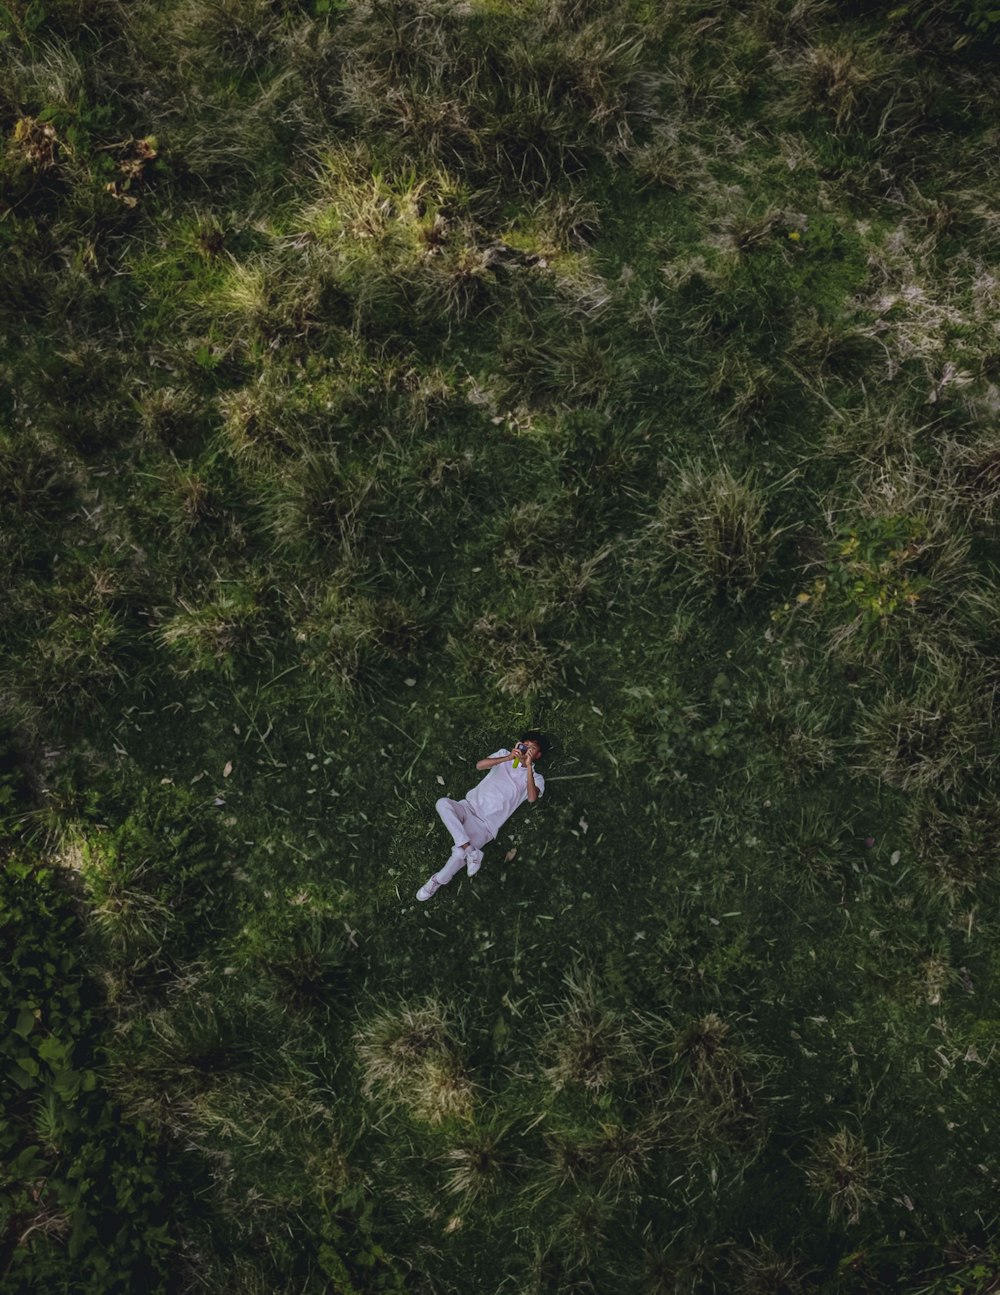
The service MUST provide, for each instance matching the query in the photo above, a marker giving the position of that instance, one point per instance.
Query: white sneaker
(428, 888)
(473, 861)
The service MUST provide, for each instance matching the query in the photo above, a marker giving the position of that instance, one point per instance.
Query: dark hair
(532, 735)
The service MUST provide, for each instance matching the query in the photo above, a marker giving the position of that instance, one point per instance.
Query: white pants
(462, 823)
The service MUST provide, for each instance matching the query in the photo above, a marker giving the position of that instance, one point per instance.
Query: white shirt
(502, 791)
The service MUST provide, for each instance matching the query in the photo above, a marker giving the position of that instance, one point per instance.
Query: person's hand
(529, 763)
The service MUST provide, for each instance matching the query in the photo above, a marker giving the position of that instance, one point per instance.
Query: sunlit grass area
(380, 380)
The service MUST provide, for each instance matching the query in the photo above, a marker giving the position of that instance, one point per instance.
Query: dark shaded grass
(720, 868)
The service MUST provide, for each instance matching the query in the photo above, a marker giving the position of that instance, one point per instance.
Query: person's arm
(532, 789)
(491, 760)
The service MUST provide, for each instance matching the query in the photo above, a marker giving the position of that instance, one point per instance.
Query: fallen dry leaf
(509, 855)
(228, 769)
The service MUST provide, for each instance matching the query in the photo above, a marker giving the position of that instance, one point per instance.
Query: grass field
(379, 380)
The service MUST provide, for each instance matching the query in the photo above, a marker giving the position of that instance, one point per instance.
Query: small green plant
(874, 568)
(85, 1190)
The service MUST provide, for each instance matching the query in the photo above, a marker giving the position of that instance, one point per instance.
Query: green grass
(379, 380)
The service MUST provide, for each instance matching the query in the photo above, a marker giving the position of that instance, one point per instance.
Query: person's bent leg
(478, 838)
(453, 817)
(455, 862)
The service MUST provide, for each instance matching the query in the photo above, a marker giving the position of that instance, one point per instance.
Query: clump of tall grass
(579, 1234)
(343, 629)
(52, 76)
(80, 654)
(577, 587)
(528, 530)
(566, 221)
(217, 633)
(433, 468)
(128, 907)
(744, 388)
(289, 412)
(312, 504)
(184, 1051)
(393, 243)
(587, 1042)
(307, 965)
(410, 1058)
(954, 842)
(761, 1270)
(712, 1068)
(933, 327)
(933, 739)
(480, 1164)
(185, 499)
(167, 414)
(814, 846)
(971, 471)
(710, 527)
(610, 1156)
(38, 479)
(507, 651)
(846, 1174)
(569, 369)
(502, 101)
(836, 349)
(799, 728)
(571, 1159)
(253, 421)
(228, 35)
(848, 81)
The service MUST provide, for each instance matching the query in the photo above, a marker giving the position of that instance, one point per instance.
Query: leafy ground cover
(382, 379)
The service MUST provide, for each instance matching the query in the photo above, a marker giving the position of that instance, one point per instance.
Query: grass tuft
(709, 525)
(587, 1042)
(409, 1057)
(846, 1173)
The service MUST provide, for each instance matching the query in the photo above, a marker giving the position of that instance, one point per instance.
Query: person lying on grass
(479, 816)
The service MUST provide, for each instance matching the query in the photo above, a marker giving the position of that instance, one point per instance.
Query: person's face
(534, 749)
